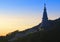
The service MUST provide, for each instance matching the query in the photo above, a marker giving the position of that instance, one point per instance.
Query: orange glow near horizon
(10, 24)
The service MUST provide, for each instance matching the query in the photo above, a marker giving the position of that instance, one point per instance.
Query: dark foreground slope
(52, 35)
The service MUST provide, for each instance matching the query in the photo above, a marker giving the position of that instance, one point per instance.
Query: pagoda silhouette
(44, 24)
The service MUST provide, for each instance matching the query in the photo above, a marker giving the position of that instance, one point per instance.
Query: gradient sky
(24, 14)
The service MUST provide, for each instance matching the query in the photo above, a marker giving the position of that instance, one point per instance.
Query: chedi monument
(44, 23)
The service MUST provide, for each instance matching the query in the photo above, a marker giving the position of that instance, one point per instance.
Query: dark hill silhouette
(52, 34)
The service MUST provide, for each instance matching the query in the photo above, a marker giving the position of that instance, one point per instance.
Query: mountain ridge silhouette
(52, 34)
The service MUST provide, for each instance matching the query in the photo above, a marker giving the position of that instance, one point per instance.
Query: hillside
(52, 34)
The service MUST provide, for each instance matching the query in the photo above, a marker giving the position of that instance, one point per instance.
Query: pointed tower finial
(44, 4)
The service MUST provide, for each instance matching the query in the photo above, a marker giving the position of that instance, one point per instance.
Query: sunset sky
(24, 14)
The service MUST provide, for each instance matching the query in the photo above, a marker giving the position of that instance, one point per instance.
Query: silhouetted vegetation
(3, 39)
(50, 35)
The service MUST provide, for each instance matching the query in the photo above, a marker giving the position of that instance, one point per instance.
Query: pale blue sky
(29, 7)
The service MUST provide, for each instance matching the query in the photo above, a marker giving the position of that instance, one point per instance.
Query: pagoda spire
(45, 17)
(44, 22)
